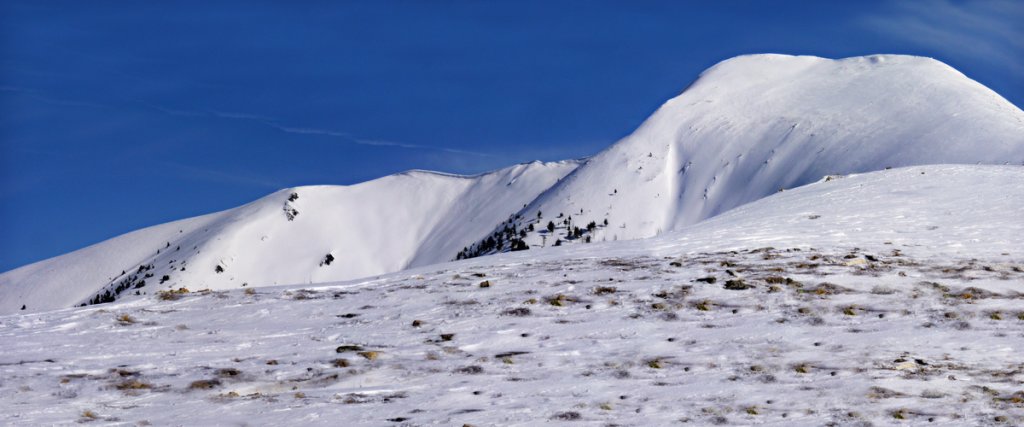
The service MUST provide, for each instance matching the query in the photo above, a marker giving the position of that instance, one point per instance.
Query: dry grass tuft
(204, 384)
(173, 294)
(134, 385)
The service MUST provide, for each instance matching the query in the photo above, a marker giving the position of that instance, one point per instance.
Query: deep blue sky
(120, 115)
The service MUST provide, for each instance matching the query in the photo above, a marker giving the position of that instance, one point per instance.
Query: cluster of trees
(508, 237)
(132, 281)
(289, 211)
(573, 231)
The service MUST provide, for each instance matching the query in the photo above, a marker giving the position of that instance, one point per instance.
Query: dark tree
(519, 245)
(551, 227)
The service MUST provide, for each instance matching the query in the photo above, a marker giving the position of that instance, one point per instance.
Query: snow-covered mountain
(745, 129)
(753, 125)
(298, 235)
(886, 298)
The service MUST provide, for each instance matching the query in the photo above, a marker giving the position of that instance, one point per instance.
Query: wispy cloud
(264, 120)
(275, 123)
(242, 116)
(173, 112)
(218, 176)
(987, 31)
(50, 100)
(373, 142)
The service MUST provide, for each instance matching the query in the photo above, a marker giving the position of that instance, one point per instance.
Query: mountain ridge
(273, 240)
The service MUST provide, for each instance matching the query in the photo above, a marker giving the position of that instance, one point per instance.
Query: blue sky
(119, 115)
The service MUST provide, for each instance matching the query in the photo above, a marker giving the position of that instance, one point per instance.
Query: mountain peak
(753, 125)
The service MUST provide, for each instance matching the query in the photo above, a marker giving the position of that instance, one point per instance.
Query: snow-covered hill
(298, 235)
(892, 297)
(753, 125)
(745, 129)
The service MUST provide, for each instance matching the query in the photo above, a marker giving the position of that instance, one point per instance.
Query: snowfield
(888, 298)
(745, 129)
(791, 241)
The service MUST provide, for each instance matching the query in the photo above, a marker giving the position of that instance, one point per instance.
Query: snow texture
(892, 297)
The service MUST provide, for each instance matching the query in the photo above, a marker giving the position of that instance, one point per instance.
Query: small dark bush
(567, 416)
(471, 370)
(348, 347)
(518, 312)
(737, 285)
(228, 372)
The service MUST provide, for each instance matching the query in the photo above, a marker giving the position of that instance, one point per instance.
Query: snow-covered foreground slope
(894, 297)
(752, 125)
(405, 220)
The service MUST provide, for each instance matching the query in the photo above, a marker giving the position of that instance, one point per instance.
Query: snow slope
(892, 297)
(753, 125)
(400, 221)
